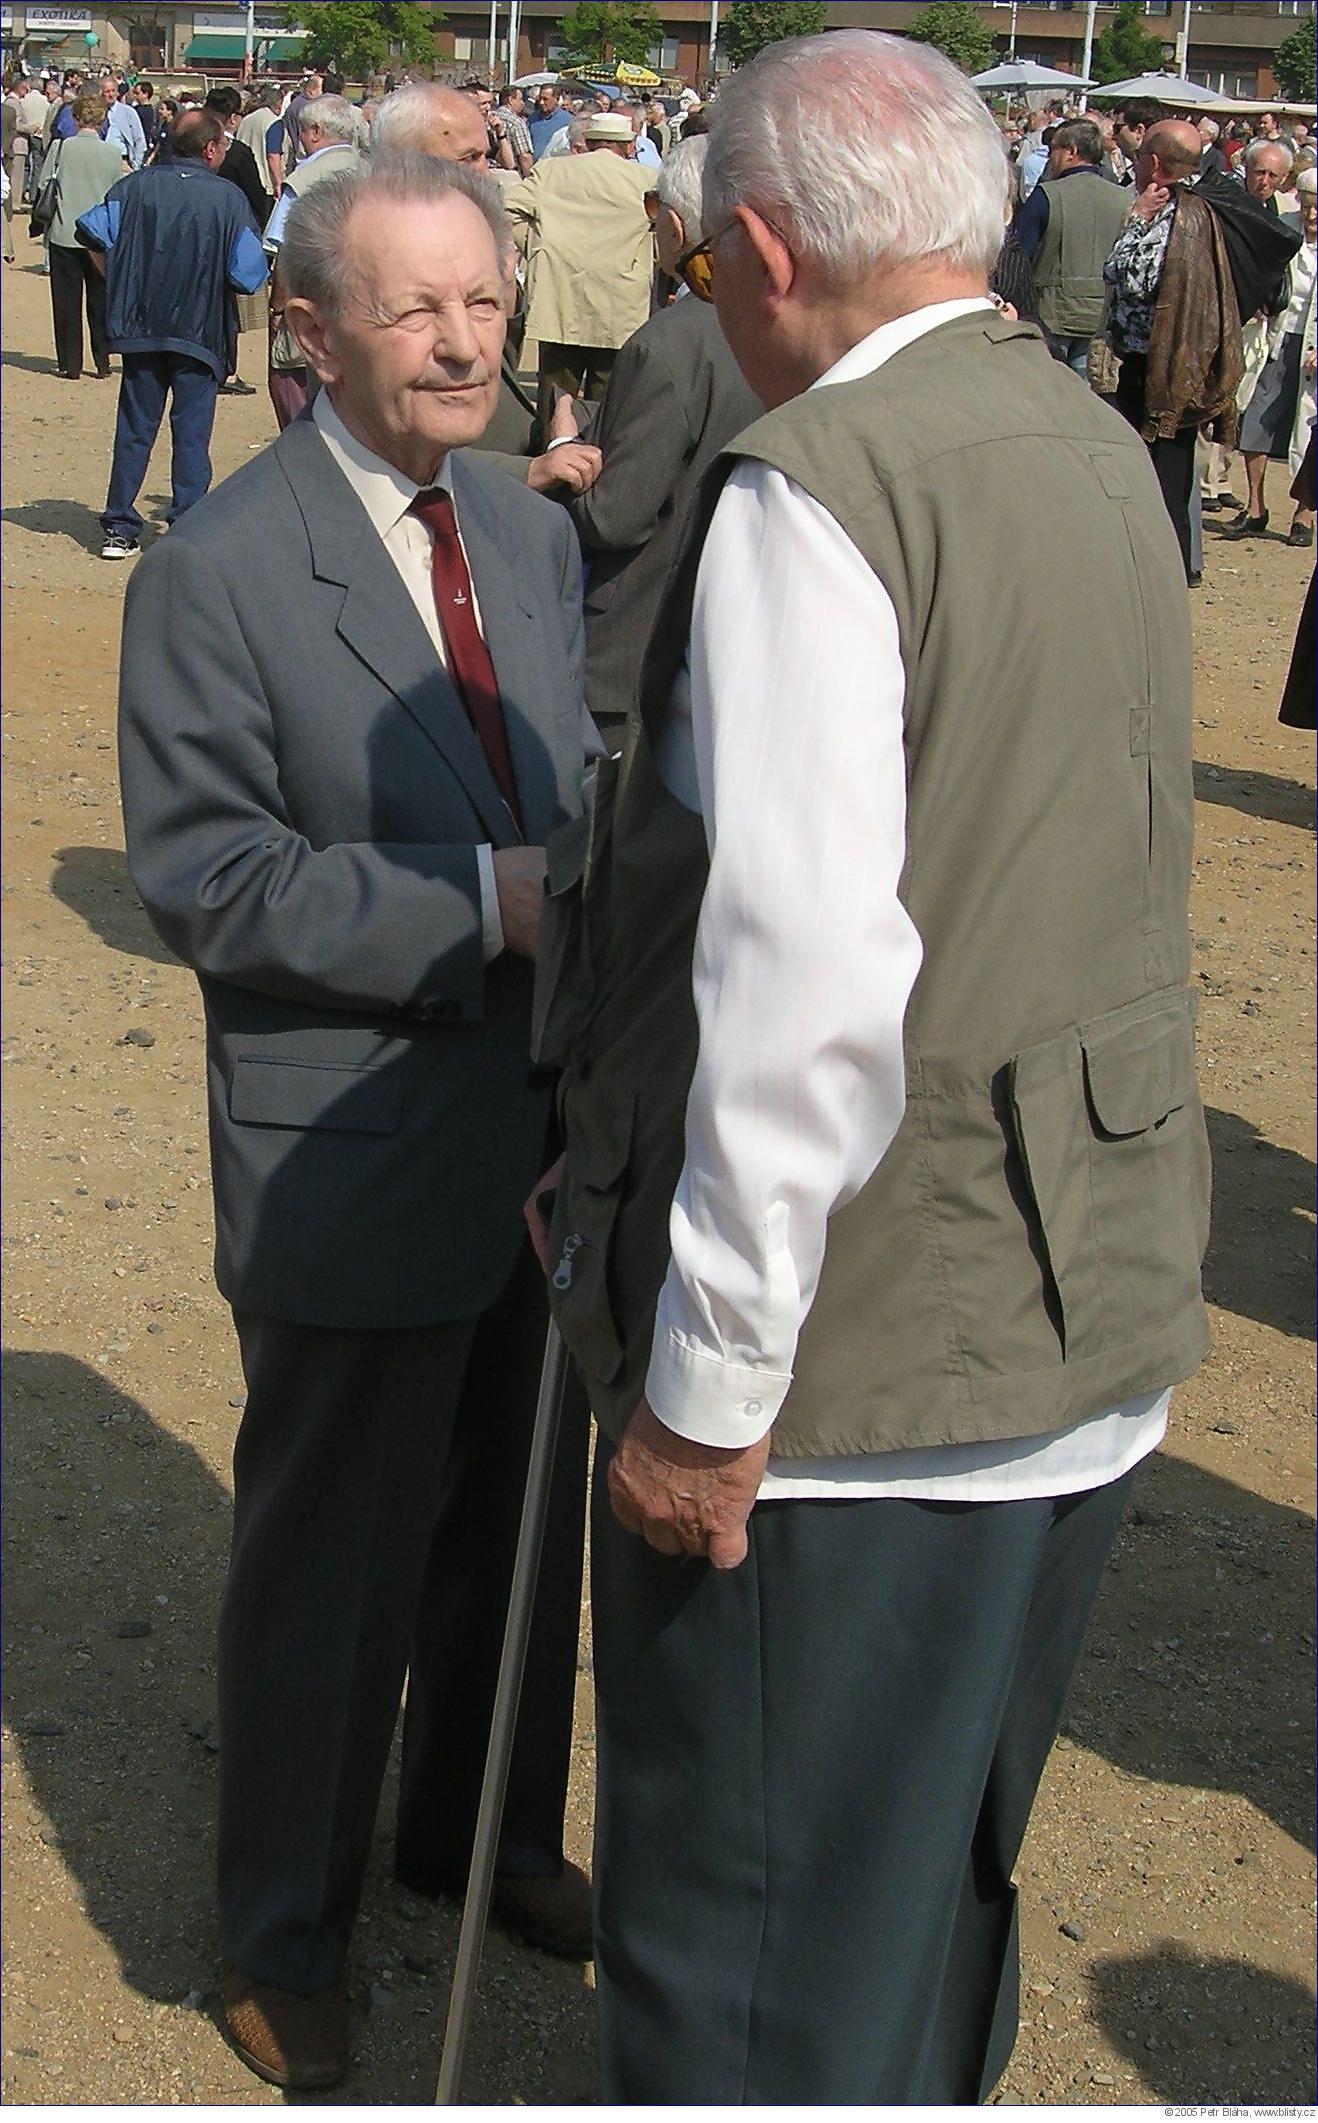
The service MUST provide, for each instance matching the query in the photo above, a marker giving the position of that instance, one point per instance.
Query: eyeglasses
(696, 266)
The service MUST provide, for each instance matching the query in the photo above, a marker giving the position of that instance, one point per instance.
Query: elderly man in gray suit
(351, 714)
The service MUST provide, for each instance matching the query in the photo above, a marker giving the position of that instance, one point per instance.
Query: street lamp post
(1184, 41)
(713, 41)
(1087, 60)
(492, 47)
(249, 41)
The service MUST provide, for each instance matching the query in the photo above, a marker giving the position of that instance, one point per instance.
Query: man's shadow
(1257, 795)
(94, 883)
(1195, 2028)
(116, 1536)
(1199, 1667)
(72, 519)
(1261, 1254)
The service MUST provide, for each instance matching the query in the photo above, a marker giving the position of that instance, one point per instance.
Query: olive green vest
(1027, 1252)
(1084, 221)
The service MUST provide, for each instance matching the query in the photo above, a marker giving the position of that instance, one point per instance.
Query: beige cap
(608, 125)
(1307, 181)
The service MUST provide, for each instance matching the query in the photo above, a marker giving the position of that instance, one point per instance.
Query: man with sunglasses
(879, 1231)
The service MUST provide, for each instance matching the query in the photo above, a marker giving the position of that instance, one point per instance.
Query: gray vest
(1028, 1250)
(1084, 221)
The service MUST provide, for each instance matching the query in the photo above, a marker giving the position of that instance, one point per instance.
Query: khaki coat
(581, 222)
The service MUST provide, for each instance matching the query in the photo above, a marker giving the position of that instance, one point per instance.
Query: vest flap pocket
(1139, 1064)
(1052, 1132)
(581, 1232)
(281, 1094)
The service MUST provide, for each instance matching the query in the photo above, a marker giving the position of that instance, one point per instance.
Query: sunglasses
(696, 266)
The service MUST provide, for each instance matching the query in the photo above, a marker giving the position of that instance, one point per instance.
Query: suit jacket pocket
(582, 1231)
(285, 1094)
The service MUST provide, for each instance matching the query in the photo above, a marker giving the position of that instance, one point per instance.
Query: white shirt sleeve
(804, 958)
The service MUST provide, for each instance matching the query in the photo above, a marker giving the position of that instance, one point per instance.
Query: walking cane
(512, 1661)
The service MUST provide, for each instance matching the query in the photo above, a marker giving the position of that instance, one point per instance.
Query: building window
(1228, 81)
(1157, 7)
(471, 51)
(146, 45)
(662, 58)
(1294, 7)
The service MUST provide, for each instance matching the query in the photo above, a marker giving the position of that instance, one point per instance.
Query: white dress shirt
(785, 732)
(387, 495)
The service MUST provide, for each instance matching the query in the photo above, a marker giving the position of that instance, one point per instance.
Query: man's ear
(777, 262)
(304, 321)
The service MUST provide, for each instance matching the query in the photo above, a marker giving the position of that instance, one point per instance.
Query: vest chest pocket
(581, 1232)
(1112, 1137)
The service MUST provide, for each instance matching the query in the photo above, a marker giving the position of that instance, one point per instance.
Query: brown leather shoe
(287, 2039)
(552, 1914)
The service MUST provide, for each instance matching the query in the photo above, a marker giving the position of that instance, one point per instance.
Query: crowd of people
(638, 861)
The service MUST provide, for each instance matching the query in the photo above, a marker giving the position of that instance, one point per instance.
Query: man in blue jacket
(173, 241)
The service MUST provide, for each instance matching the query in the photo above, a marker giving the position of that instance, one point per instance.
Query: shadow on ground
(95, 885)
(1258, 795)
(1199, 1668)
(1200, 2028)
(59, 519)
(1263, 1251)
(115, 1540)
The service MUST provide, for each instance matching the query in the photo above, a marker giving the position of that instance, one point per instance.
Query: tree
(601, 32)
(1295, 65)
(358, 37)
(751, 24)
(1123, 50)
(956, 28)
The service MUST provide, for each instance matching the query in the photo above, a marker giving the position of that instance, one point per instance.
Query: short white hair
(335, 117)
(403, 120)
(862, 149)
(1259, 148)
(679, 181)
(1210, 126)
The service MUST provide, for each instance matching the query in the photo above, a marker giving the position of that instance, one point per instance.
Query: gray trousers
(814, 1777)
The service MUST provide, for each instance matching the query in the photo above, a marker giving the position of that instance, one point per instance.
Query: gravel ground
(1167, 1884)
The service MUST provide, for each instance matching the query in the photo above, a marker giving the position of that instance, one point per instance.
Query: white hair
(335, 117)
(679, 181)
(314, 258)
(404, 118)
(1257, 148)
(920, 175)
(1210, 126)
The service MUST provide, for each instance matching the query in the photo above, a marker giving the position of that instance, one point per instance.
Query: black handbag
(46, 204)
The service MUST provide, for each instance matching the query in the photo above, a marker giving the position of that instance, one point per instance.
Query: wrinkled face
(412, 360)
(1308, 215)
(109, 91)
(546, 102)
(1264, 174)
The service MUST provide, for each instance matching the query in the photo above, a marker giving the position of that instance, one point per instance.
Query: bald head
(428, 119)
(1174, 144)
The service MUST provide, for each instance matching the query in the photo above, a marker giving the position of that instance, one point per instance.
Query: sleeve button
(753, 1408)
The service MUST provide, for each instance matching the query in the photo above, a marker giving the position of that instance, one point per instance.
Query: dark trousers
(148, 381)
(74, 281)
(378, 1483)
(814, 1776)
(36, 155)
(582, 370)
(288, 393)
(1173, 455)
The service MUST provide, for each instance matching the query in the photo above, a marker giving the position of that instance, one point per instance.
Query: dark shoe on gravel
(284, 2038)
(551, 1913)
(1247, 527)
(1300, 534)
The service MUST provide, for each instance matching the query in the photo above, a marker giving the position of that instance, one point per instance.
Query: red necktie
(469, 664)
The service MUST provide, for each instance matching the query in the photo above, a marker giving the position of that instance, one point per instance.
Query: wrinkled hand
(536, 1221)
(519, 877)
(1150, 201)
(575, 465)
(684, 1499)
(563, 423)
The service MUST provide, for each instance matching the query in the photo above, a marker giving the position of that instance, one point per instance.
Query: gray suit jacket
(675, 398)
(303, 798)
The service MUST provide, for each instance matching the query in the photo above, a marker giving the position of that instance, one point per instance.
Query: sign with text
(64, 18)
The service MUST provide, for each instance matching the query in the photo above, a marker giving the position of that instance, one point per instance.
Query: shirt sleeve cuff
(706, 1399)
(491, 921)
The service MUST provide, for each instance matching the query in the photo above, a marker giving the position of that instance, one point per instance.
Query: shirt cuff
(708, 1400)
(491, 920)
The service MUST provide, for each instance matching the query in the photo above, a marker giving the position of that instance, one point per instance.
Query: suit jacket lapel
(379, 621)
(512, 633)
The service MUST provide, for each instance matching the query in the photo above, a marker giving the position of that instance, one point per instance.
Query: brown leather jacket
(1195, 358)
